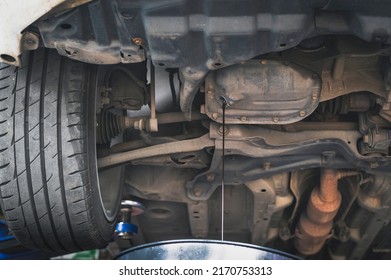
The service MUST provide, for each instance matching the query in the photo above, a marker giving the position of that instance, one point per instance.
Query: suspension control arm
(183, 146)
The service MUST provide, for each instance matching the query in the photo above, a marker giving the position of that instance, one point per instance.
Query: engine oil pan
(262, 92)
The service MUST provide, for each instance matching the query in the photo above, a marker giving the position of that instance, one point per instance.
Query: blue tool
(124, 228)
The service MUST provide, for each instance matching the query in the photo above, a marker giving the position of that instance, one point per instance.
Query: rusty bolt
(302, 113)
(210, 177)
(198, 191)
(275, 119)
(30, 41)
(137, 41)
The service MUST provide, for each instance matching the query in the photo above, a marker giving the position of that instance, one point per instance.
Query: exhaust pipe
(316, 223)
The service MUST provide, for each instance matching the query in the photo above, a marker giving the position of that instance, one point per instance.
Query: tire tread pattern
(45, 189)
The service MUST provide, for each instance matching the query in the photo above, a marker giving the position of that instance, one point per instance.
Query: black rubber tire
(49, 190)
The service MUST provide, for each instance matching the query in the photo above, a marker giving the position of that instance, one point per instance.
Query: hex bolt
(222, 131)
(302, 114)
(244, 119)
(198, 191)
(314, 96)
(210, 177)
(215, 116)
(275, 119)
(263, 61)
(137, 41)
(30, 41)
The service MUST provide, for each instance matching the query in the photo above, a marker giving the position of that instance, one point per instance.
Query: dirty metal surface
(262, 92)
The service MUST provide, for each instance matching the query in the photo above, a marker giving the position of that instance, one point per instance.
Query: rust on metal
(137, 41)
(316, 222)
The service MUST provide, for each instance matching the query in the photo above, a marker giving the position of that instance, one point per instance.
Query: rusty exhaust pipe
(315, 224)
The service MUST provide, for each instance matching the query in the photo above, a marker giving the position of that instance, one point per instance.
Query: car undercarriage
(287, 104)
